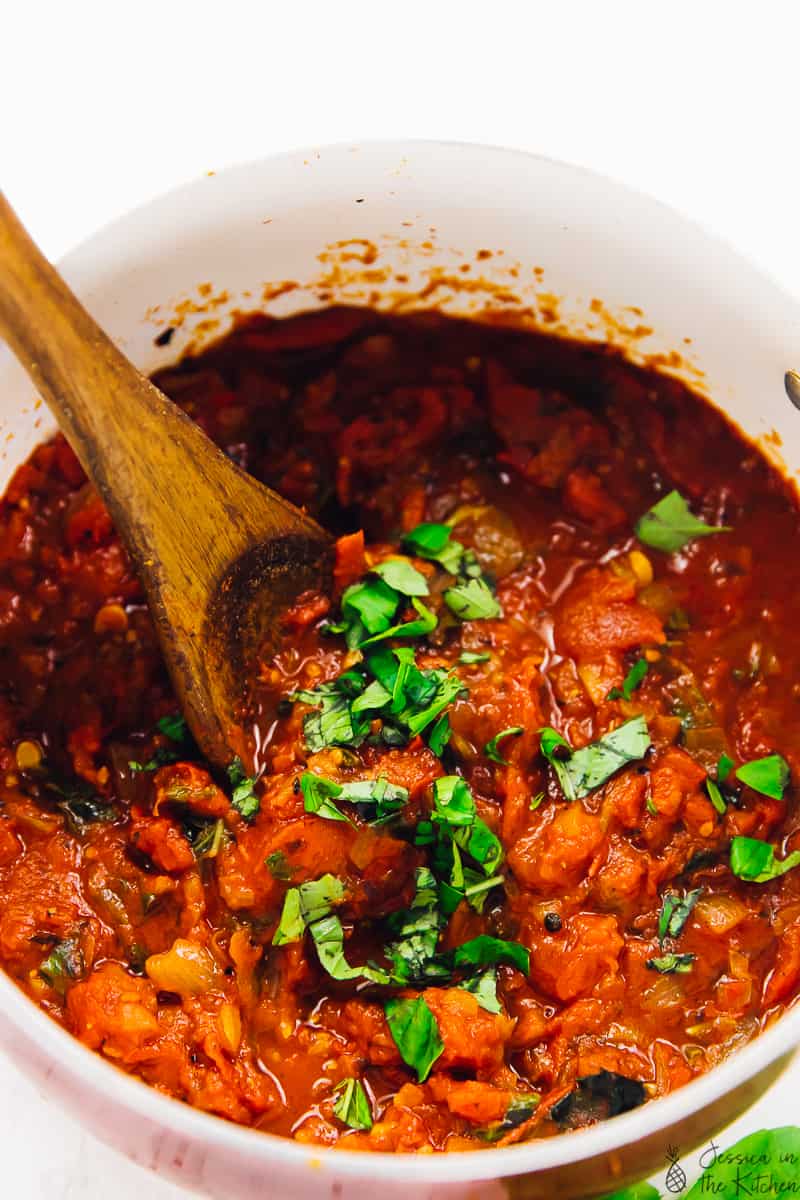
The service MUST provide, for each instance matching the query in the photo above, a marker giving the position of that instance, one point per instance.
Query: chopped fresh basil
(162, 757)
(484, 989)
(318, 796)
(724, 767)
(328, 936)
(416, 1033)
(669, 525)
(351, 1105)
(631, 681)
(435, 543)
(377, 798)
(520, 1110)
(486, 951)
(243, 798)
(586, 769)
(769, 775)
(368, 606)
(448, 688)
(468, 658)
(400, 575)
(671, 964)
(174, 727)
(420, 626)
(278, 866)
(453, 802)
(715, 796)
(490, 749)
(536, 801)
(439, 736)
(675, 912)
(472, 601)
(63, 965)
(305, 904)
(755, 861)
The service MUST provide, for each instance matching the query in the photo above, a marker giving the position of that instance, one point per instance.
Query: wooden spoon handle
(207, 539)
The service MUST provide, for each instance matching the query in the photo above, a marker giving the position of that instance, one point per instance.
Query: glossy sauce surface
(139, 905)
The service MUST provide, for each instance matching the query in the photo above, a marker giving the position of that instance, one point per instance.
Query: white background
(104, 105)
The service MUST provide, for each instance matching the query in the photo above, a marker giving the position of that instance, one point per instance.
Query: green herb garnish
(328, 936)
(669, 525)
(351, 1105)
(581, 771)
(716, 797)
(724, 767)
(491, 748)
(243, 797)
(64, 964)
(439, 736)
(174, 727)
(473, 601)
(278, 866)
(671, 964)
(755, 861)
(675, 912)
(468, 658)
(401, 576)
(769, 775)
(416, 1034)
(305, 904)
(631, 681)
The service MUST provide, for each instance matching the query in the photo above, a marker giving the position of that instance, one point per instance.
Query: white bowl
(425, 211)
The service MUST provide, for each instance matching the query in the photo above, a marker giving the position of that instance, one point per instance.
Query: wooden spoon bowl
(219, 555)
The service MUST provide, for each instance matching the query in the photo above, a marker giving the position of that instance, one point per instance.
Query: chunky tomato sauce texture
(520, 852)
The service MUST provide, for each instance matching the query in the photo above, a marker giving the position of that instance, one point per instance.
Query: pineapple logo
(676, 1177)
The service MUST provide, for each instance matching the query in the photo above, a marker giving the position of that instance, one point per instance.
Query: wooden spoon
(218, 554)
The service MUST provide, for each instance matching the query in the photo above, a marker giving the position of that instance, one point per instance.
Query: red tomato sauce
(405, 935)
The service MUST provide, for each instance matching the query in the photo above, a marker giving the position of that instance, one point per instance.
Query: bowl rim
(130, 1092)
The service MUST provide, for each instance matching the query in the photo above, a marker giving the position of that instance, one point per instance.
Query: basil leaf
(318, 797)
(453, 802)
(588, 768)
(351, 1105)
(490, 749)
(427, 540)
(669, 525)
(486, 951)
(243, 798)
(769, 775)
(439, 736)
(472, 601)
(755, 861)
(386, 798)
(481, 844)
(419, 627)
(64, 963)
(416, 1034)
(304, 904)
(435, 543)
(520, 1110)
(373, 697)
(372, 603)
(328, 938)
(401, 576)
(468, 658)
(448, 688)
(631, 681)
(724, 767)
(484, 989)
(174, 727)
(671, 964)
(278, 866)
(675, 912)
(716, 797)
